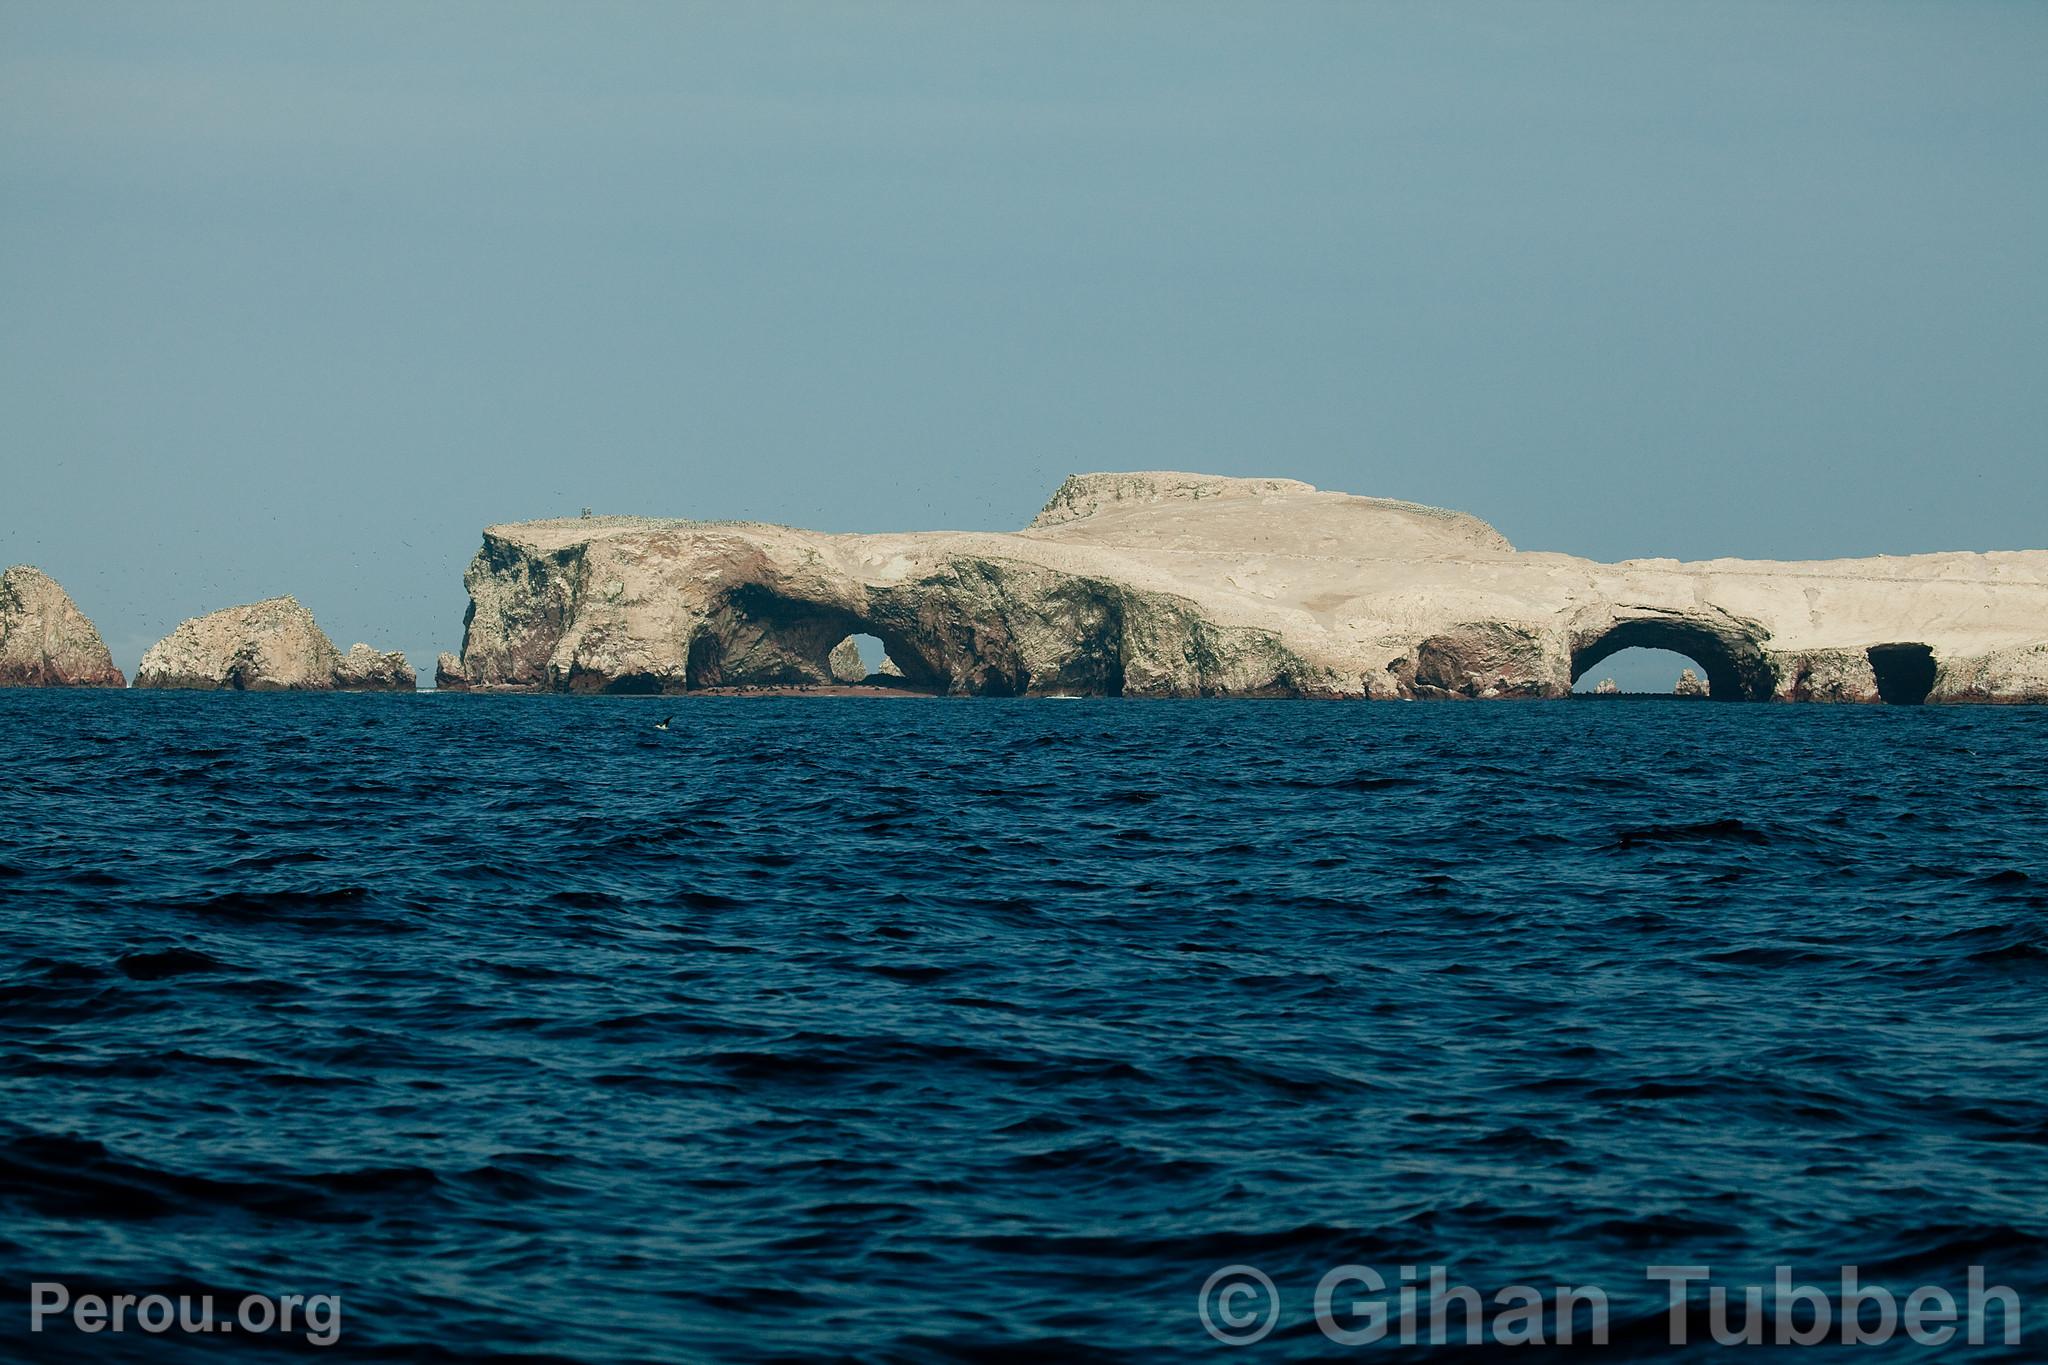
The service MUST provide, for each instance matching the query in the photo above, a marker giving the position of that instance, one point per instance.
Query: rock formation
(1607, 687)
(269, 646)
(364, 669)
(1690, 684)
(844, 662)
(45, 640)
(1162, 584)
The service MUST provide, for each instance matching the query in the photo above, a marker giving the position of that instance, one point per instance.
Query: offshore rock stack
(844, 663)
(268, 646)
(45, 640)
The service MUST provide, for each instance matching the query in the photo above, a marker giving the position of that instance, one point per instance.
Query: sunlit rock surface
(45, 640)
(1168, 584)
(268, 646)
(844, 662)
(364, 669)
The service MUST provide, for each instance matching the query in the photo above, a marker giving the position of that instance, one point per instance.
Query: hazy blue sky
(300, 297)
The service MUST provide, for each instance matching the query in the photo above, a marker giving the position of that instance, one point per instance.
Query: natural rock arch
(757, 636)
(1736, 666)
(1164, 584)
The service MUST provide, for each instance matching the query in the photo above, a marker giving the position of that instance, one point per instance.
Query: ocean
(977, 1029)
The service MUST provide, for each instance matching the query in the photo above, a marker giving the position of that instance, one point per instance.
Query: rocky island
(1184, 585)
(45, 640)
(268, 646)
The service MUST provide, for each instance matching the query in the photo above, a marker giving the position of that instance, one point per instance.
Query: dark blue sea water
(991, 1029)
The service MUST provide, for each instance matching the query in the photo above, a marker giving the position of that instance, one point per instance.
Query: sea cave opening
(1732, 666)
(1638, 672)
(759, 637)
(861, 658)
(1905, 673)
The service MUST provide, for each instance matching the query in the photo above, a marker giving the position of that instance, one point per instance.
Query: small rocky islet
(45, 640)
(268, 646)
(1147, 584)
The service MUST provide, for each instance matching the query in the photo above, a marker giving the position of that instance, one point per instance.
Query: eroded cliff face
(1169, 584)
(45, 640)
(268, 646)
(660, 607)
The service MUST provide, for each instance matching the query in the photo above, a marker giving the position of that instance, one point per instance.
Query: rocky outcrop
(45, 640)
(1481, 661)
(1826, 675)
(1607, 687)
(2004, 675)
(268, 646)
(1690, 684)
(1167, 584)
(364, 669)
(844, 662)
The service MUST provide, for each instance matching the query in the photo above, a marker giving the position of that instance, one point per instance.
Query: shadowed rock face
(268, 646)
(1166, 584)
(45, 640)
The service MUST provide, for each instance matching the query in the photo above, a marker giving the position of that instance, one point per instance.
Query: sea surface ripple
(960, 1030)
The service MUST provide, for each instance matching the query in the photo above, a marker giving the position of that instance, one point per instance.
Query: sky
(299, 298)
